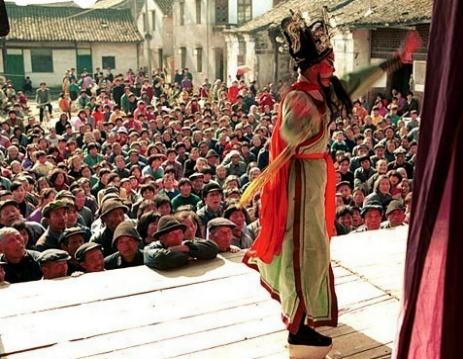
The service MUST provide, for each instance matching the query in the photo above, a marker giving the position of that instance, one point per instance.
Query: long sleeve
(161, 258)
(200, 249)
(299, 116)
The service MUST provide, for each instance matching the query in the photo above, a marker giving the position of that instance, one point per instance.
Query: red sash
(274, 198)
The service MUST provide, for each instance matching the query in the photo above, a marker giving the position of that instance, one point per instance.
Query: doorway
(400, 79)
(219, 63)
(14, 67)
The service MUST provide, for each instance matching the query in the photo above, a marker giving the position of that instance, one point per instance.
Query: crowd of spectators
(129, 170)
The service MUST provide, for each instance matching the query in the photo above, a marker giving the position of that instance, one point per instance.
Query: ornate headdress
(308, 45)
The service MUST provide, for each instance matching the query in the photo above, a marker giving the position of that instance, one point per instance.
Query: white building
(154, 22)
(365, 33)
(198, 33)
(45, 41)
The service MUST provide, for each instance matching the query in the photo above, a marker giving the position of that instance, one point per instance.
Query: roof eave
(397, 25)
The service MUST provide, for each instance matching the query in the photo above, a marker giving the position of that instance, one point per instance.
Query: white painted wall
(125, 54)
(192, 36)
(232, 57)
(161, 35)
(63, 59)
(352, 50)
(419, 75)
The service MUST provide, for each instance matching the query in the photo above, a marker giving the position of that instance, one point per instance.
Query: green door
(14, 69)
(84, 63)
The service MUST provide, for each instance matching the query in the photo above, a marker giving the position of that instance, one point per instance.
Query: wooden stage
(212, 309)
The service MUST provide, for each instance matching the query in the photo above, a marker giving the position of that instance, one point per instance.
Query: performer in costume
(292, 251)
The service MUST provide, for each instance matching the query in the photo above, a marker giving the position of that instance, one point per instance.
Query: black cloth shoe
(307, 336)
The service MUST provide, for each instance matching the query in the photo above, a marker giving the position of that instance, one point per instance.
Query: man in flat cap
(53, 263)
(90, 257)
(400, 161)
(395, 214)
(197, 183)
(170, 250)
(236, 166)
(112, 213)
(220, 231)
(126, 240)
(212, 197)
(364, 172)
(55, 214)
(70, 240)
(372, 214)
(362, 150)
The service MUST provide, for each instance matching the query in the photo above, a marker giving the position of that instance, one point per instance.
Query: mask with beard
(337, 99)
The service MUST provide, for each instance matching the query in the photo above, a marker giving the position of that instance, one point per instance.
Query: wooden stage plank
(125, 313)
(39, 296)
(211, 309)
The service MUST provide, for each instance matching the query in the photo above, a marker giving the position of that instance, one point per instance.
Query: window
(198, 11)
(42, 60)
(182, 13)
(221, 12)
(145, 22)
(199, 59)
(153, 20)
(183, 57)
(244, 11)
(108, 61)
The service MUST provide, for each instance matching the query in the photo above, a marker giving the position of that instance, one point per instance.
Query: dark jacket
(158, 256)
(25, 271)
(105, 238)
(48, 240)
(115, 261)
(205, 215)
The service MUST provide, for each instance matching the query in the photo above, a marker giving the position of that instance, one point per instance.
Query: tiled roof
(274, 16)
(349, 12)
(165, 6)
(51, 23)
(361, 13)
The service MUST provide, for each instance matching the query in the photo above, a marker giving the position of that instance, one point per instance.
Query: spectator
(171, 250)
(220, 231)
(42, 97)
(126, 240)
(242, 237)
(344, 220)
(55, 215)
(395, 215)
(90, 257)
(21, 263)
(185, 197)
(53, 263)
(372, 214)
(112, 214)
(212, 197)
